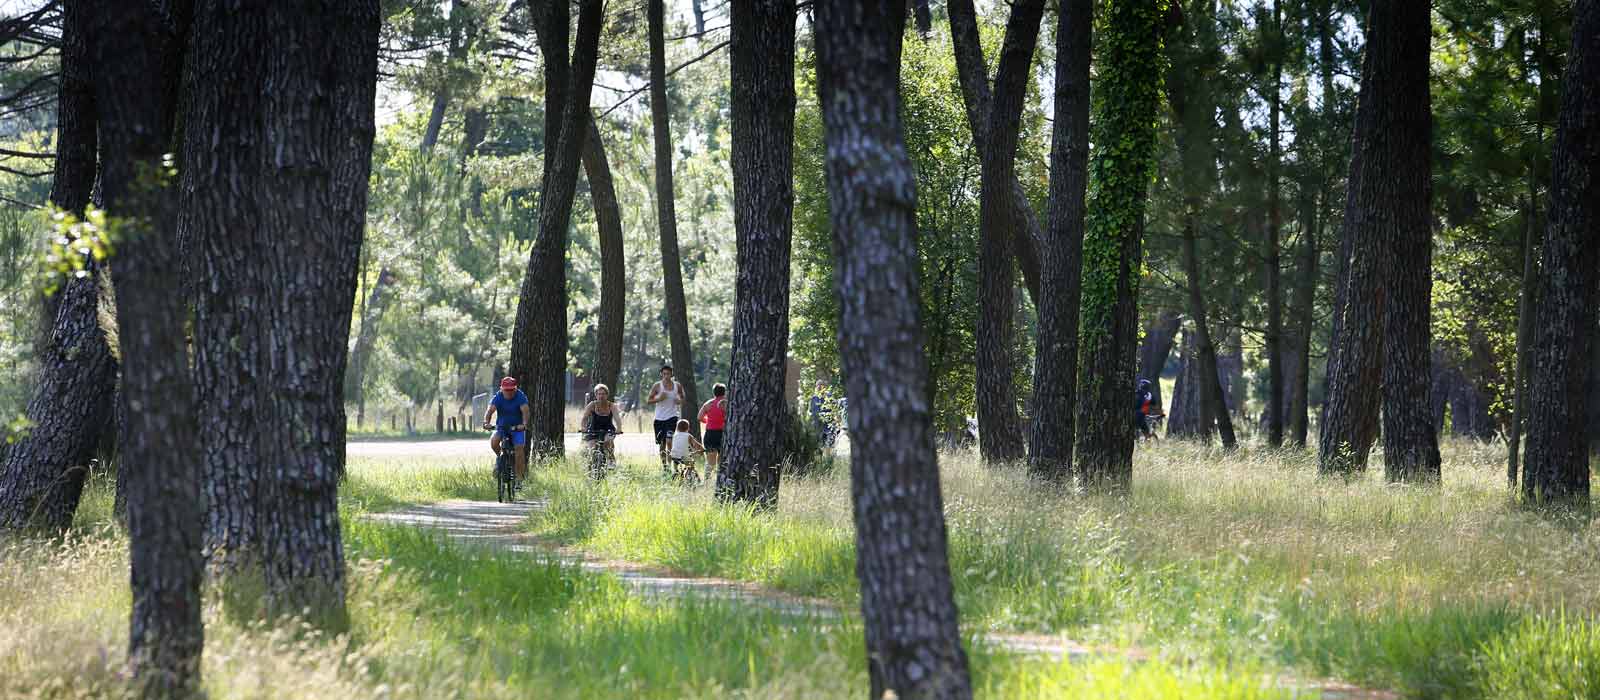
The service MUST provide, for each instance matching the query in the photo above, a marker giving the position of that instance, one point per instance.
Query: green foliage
(1127, 100)
(946, 165)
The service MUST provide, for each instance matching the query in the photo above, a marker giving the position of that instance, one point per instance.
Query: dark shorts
(1142, 422)
(665, 429)
(712, 440)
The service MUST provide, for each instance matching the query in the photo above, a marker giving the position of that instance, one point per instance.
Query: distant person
(683, 447)
(714, 414)
(600, 420)
(667, 398)
(1144, 407)
(510, 407)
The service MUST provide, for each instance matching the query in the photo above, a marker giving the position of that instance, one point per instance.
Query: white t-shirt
(667, 406)
(680, 445)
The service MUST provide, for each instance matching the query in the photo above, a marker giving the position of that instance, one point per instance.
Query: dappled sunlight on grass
(1248, 557)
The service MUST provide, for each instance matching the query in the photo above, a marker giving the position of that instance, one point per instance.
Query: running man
(667, 398)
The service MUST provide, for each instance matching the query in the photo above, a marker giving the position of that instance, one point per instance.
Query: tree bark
(1155, 348)
(1000, 437)
(539, 338)
(366, 339)
(1189, 96)
(762, 64)
(1303, 310)
(1123, 165)
(42, 475)
(1186, 417)
(1213, 401)
(136, 49)
(666, 214)
(973, 72)
(1274, 333)
(1386, 215)
(608, 219)
(907, 600)
(1061, 250)
(278, 206)
(1556, 472)
(1525, 312)
(1410, 445)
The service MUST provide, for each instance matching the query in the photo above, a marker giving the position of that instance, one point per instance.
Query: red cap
(508, 383)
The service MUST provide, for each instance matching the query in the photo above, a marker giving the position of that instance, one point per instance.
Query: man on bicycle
(511, 408)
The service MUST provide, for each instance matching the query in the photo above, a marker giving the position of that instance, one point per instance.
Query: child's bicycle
(683, 470)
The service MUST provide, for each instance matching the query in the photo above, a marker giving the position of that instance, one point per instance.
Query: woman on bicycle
(599, 420)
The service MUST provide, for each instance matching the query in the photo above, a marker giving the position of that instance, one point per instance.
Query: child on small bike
(684, 447)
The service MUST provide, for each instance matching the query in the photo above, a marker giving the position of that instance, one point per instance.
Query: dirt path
(495, 525)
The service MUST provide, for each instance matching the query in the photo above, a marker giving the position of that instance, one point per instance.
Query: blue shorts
(518, 437)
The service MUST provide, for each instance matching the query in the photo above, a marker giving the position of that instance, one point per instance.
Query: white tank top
(680, 445)
(667, 407)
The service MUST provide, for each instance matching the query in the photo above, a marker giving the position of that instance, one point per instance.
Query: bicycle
(683, 470)
(1153, 421)
(505, 468)
(599, 462)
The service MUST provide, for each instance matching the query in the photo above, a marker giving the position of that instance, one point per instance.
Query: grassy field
(434, 620)
(1220, 560)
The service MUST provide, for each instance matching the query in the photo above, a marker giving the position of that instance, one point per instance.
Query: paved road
(628, 445)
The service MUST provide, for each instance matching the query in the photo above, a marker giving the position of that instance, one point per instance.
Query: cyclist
(600, 420)
(510, 408)
(715, 415)
(1144, 407)
(667, 398)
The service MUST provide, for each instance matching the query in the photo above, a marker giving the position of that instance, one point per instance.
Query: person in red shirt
(714, 414)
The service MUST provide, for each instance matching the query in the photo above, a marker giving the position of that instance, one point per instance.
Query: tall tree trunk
(608, 219)
(1404, 220)
(42, 475)
(136, 50)
(762, 66)
(456, 51)
(1189, 96)
(1303, 310)
(907, 600)
(366, 340)
(539, 338)
(1213, 401)
(1000, 437)
(1525, 313)
(1274, 292)
(667, 216)
(1187, 416)
(924, 16)
(1530, 270)
(1061, 250)
(1113, 248)
(973, 73)
(300, 127)
(1387, 201)
(1557, 467)
(1155, 348)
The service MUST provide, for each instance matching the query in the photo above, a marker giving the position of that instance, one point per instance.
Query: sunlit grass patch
(1246, 557)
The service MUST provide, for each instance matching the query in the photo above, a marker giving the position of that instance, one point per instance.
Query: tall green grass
(430, 619)
(1221, 558)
